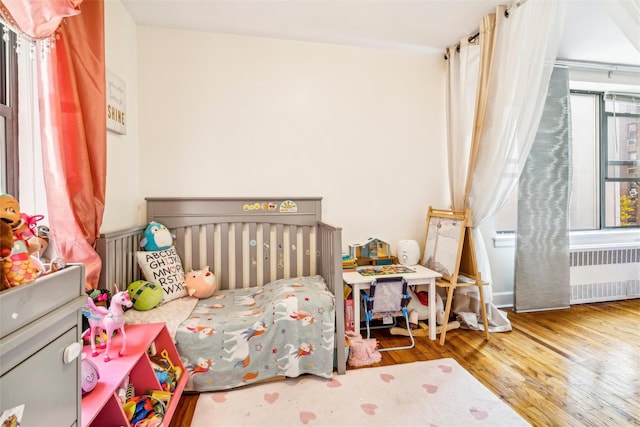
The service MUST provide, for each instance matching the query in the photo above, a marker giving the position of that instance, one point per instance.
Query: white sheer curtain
(463, 62)
(526, 45)
(518, 47)
(525, 49)
(626, 15)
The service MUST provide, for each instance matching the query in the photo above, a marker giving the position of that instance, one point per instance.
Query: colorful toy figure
(101, 319)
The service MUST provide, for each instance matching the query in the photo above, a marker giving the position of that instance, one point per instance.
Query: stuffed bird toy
(157, 237)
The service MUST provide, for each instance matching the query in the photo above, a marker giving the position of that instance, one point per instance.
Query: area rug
(432, 393)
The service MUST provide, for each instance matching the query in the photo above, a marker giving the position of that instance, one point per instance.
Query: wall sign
(116, 104)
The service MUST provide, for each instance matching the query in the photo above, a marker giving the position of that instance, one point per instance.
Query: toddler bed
(279, 305)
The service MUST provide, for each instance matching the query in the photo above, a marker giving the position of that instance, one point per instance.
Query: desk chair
(387, 299)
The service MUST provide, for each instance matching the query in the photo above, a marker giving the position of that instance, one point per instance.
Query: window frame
(605, 163)
(9, 110)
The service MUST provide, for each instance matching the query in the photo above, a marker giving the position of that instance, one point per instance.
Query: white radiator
(604, 274)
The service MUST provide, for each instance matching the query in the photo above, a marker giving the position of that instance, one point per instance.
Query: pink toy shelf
(102, 406)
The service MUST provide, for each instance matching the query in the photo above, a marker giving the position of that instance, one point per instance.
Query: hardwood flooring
(573, 367)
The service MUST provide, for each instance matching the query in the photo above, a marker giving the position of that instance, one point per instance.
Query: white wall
(223, 115)
(219, 115)
(123, 195)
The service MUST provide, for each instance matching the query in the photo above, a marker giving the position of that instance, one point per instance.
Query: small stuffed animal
(363, 351)
(10, 211)
(157, 237)
(6, 244)
(18, 268)
(200, 283)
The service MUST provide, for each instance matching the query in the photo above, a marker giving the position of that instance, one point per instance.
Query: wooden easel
(458, 266)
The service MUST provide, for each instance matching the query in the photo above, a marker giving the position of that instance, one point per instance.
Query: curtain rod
(583, 65)
(507, 11)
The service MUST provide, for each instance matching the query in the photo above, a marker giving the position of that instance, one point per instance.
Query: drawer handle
(71, 352)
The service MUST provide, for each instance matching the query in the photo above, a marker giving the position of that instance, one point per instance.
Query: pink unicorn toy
(101, 319)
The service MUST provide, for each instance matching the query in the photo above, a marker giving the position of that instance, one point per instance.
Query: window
(605, 183)
(8, 114)
(621, 118)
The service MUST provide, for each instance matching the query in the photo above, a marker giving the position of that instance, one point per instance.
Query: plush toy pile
(24, 262)
(164, 278)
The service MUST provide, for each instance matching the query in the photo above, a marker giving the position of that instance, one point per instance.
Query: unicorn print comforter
(242, 336)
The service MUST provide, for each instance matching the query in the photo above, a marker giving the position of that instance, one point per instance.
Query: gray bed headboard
(244, 241)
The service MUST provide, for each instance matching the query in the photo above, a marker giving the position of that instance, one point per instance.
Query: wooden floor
(573, 367)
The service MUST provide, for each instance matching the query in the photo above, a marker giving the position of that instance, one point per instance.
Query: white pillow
(164, 268)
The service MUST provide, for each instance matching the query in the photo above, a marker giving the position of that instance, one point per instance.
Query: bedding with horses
(247, 335)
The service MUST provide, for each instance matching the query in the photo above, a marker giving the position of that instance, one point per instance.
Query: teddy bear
(6, 244)
(18, 267)
(200, 283)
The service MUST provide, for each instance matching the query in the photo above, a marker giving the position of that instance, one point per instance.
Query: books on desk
(348, 263)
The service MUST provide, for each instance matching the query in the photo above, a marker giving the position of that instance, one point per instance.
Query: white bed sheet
(173, 313)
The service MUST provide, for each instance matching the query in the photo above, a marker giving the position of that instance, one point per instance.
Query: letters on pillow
(165, 269)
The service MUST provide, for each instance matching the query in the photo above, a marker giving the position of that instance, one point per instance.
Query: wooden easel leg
(484, 307)
(447, 311)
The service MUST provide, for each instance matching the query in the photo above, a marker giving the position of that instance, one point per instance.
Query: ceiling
(418, 25)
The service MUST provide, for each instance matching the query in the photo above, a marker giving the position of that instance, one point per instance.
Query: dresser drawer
(23, 304)
(46, 386)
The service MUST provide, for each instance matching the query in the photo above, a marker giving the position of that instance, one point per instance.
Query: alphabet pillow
(164, 268)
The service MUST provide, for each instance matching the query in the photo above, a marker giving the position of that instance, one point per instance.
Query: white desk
(422, 276)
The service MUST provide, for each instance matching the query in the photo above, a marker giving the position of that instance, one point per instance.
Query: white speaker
(408, 252)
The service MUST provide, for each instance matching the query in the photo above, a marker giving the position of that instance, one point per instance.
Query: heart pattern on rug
(271, 397)
(334, 383)
(306, 416)
(460, 399)
(387, 377)
(369, 408)
(445, 368)
(430, 388)
(219, 397)
(478, 414)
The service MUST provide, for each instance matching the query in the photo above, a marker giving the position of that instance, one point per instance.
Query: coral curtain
(38, 18)
(73, 118)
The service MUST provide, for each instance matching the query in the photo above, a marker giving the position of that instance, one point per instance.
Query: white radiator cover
(604, 274)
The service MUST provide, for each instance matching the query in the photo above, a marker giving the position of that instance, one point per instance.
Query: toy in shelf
(167, 373)
(90, 375)
(107, 320)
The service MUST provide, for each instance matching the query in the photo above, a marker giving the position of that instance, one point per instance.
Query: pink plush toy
(363, 351)
(200, 283)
